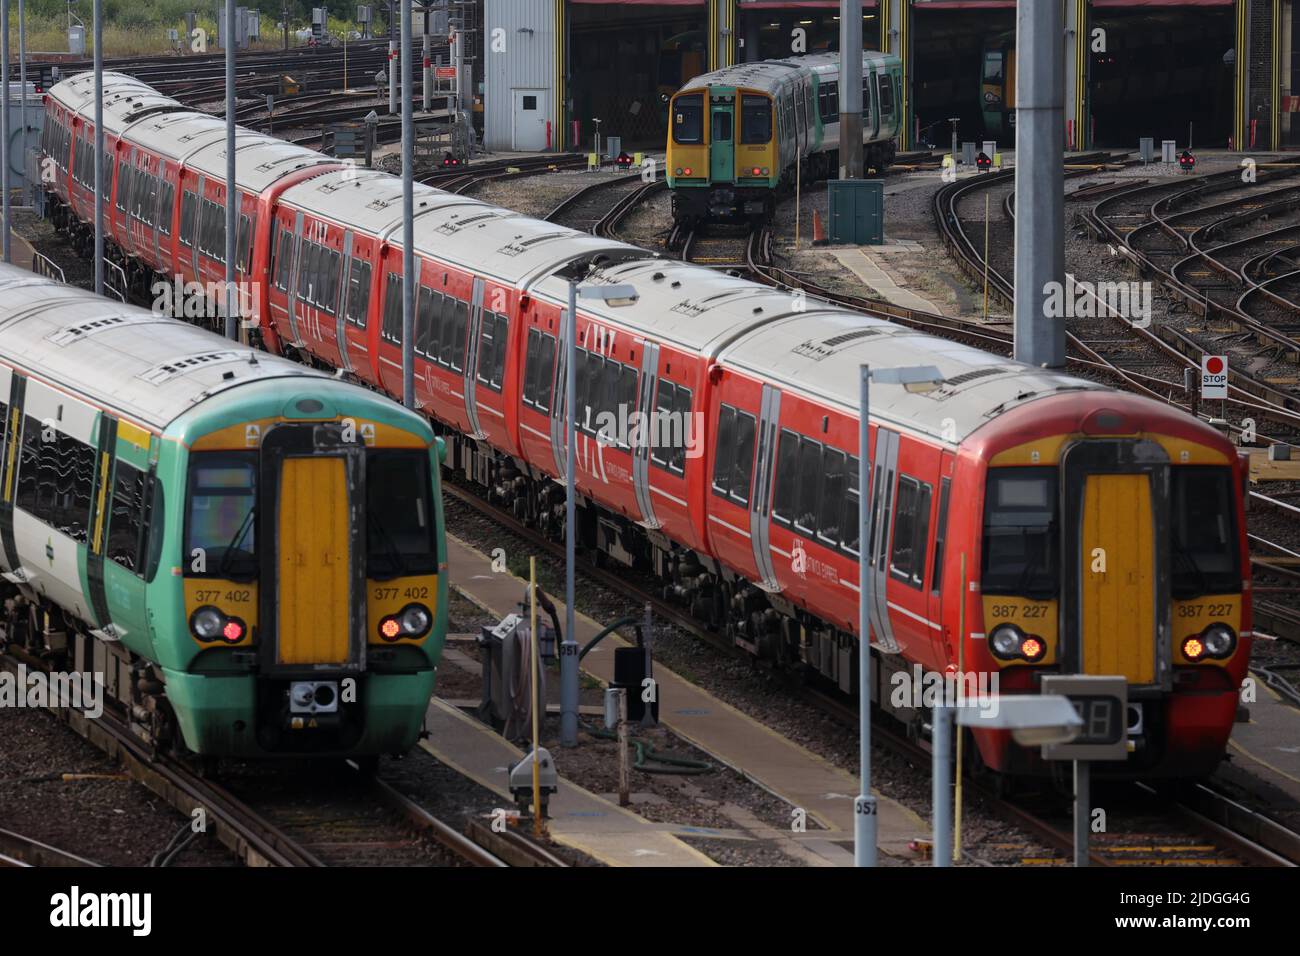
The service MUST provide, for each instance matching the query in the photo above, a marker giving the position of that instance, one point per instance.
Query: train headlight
(677, 171)
(1010, 642)
(1005, 641)
(414, 620)
(207, 623)
(1219, 640)
(1193, 648)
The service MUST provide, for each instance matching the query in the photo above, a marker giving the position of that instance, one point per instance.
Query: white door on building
(532, 109)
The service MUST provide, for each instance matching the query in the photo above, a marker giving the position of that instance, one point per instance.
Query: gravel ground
(104, 816)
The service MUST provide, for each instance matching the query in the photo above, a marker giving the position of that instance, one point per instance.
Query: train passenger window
(166, 205)
(4, 428)
(787, 476)
(220, 519)
(829, 97)
(54, 478)
(1204, 546)
(492, 350)
(546, 377)
(850, 519)
(810, 467)
(886, 95)
(672, 433)
(911, 531)
(358, 293)
(391, 330)
(332, 259)
(725, 453)
(123, 188)
(531, 366)
(832, 496)
(306, 268)
(189, 204)
(450, 351)
(283, 266)
(733, 468)
(755, 119)
(940, 535)
(721, 132)
(1020, 553)
(399, 515)
(126, 521)
(425, 310)
(688, 118)
(243, 247)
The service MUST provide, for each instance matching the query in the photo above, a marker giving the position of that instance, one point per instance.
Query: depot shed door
(531, 109)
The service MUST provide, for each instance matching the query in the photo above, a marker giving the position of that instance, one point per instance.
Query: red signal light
(390, 629)
(1193, 649)
(1032, 648)
(233, 631)
(686, 171)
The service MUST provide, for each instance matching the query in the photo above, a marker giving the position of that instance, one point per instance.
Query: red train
(1100, 532)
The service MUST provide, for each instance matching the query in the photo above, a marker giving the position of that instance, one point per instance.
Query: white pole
(232, 193)
(941, 795)
(409, 278)
(569, 645)
(4, 128)
(864, 807)
(100, 185)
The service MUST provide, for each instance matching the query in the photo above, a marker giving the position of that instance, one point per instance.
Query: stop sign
(1214, 376)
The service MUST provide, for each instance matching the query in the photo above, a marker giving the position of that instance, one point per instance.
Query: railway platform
(783, 767)
(1268, 745)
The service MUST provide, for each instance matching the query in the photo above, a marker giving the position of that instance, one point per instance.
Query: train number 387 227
(1204, 610)
(1027, 611)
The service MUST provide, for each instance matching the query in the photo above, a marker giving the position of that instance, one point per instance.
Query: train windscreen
(399, 515)
(755, 119)
(1021, 533)
(688, 118)
(220, 536)
(1205, 558)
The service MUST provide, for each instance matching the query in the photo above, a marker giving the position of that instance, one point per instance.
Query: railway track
(464, 178)
(283, 821)
(19, 850)
(590, 210)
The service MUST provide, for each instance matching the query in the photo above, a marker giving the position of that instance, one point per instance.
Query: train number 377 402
(411, 594)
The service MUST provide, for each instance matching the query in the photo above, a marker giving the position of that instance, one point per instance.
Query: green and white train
(249, 554)
(739, 135)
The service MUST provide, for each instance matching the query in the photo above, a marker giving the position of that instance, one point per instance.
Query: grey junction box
(857, 211)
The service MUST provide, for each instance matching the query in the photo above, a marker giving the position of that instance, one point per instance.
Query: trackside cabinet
(857, 211)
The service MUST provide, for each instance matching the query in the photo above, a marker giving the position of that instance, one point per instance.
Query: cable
(680, 766)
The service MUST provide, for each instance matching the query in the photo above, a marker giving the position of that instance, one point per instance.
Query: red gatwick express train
(1099, 532)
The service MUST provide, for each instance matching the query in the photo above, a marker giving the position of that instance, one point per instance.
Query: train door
(560, 398)
(760, 501)
(722, 137)
(294, 266)
(100, 503)
(650, 427)
(883, 478)
(1114, 513)
(471, 360)
(310, 483)
(12, 389)
(936, 565)
(340, 321)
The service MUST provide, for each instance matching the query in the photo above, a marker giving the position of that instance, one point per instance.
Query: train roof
(260, 160)
(100, 348)
(768, 74)
(488, 240)
(126, 99)
(819, 354)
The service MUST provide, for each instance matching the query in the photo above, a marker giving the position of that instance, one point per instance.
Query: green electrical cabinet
(857, 211)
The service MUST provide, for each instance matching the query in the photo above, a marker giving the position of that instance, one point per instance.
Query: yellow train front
(1111, 541)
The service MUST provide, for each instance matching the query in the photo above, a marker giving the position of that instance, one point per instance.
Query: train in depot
(738, 137)
(247, 552)
(741, 496)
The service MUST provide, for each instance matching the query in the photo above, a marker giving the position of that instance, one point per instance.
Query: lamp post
(611, 295)
(914, 378)
(1033, 719)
